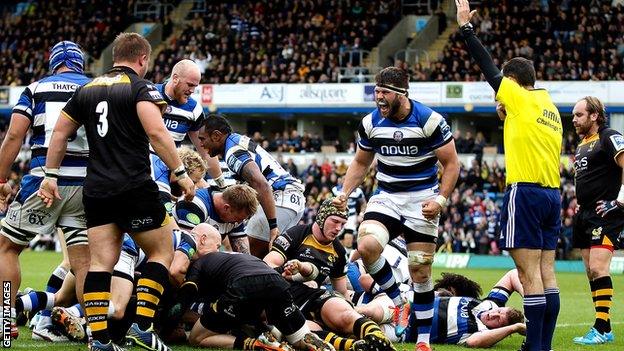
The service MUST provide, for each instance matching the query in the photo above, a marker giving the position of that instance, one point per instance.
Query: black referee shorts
(135, 210)
(592, 230)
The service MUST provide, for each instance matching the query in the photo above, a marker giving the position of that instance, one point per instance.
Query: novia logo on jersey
(398, 150)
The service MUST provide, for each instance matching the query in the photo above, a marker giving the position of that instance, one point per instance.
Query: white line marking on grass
(565, 325)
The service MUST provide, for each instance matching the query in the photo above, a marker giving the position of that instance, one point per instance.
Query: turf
(575, 317)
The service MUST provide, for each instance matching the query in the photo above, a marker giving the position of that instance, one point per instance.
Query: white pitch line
(565, 325)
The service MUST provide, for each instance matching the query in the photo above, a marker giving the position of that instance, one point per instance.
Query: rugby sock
(150, 288)
(550, 316)
(96, 299)
(534, 310)
(364, 326)
(423, 309)
(339, 343)
(54, 284)
(34, 302)
(381, 272)
(499, 295)
(602, 293)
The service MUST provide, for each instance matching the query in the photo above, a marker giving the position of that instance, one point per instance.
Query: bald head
(207, 237)
(186, 68)
(185, 77)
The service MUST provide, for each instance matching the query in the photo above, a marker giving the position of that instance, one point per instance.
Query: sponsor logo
(323, 94)
(596, 233)
(398, 150)
(140, 222)
(617, 141)
(193, 218)
(155, 95)
(281, 241)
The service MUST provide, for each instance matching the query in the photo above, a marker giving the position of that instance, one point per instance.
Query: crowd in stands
(567, 40)
(293, 41)
(292, 142)
(30, 29)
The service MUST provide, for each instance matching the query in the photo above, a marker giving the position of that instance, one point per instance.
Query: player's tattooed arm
(240, 244)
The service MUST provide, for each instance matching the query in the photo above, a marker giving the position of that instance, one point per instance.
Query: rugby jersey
(181, 118)
(41, 102)
(201, 210)
(182, 242)
(405, 149)
(240, 150)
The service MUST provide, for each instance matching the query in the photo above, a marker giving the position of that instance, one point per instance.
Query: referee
(531, 215)
(122, 116)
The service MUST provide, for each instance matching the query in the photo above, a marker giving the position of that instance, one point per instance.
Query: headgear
(68, 53)
(327, 209)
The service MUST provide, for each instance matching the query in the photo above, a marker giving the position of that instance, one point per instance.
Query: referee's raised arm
(492, 74)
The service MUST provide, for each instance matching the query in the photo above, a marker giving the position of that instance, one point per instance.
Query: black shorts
(591, 230)
(246, 298)
(311, 300)
(135, 210)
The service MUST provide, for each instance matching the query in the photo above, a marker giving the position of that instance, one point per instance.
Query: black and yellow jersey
(118, 144)
(597, 175)
(299, 243)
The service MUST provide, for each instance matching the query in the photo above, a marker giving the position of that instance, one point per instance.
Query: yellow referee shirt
(532, 135)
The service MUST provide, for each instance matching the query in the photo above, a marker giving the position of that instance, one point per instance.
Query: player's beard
(582, 129)
(393, 113)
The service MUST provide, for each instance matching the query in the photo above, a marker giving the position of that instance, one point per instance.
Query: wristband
(220, 181)
(272, 223)
(52, 173)
(441, 200)
(620, 197)
(180, 172)
(467, 29)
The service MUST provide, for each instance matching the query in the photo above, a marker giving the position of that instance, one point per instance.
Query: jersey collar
(124, 69)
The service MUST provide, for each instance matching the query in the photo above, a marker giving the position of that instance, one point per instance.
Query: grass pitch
(575, 318)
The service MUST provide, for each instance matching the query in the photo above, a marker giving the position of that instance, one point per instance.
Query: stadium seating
(278, 41)
(567, 40)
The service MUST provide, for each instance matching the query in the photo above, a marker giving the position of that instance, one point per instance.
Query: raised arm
(492, 74)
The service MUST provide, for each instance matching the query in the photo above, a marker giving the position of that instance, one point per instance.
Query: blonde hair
(241, 197)
(594, 105)
(192, 161)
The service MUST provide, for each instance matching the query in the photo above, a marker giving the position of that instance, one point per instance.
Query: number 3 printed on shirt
(102, 110)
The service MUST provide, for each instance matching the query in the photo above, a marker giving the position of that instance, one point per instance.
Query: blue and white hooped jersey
(182, 242)
(181, 118)
(405, 150)
(356, 196)
(240, 149)
(201, 210)
(41, 102)
(454, 319)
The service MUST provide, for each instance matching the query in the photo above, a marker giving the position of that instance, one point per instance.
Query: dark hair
(520, 69)
(393, 76)
(460, 284)
(217, 122)
(594, 105)
(129, 47)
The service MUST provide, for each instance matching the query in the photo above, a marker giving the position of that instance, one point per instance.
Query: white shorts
(289, 207)
(407, 208)
(28, 216)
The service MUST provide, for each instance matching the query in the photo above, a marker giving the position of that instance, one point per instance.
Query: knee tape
(377, 231)
(418, 258)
